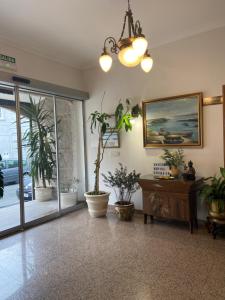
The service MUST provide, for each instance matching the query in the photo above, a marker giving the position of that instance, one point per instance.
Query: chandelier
(131, 50)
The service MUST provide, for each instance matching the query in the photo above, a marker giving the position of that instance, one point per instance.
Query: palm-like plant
(100, 123)
(1, 181)
(39, 141)
(215, 190)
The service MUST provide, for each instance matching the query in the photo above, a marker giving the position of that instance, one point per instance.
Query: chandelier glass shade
(131, 50)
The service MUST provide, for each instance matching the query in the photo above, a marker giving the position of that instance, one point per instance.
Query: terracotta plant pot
(215, 212)
(124, 210)
(174, 171)
(97, 204)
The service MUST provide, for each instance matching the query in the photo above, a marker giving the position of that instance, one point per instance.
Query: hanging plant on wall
(99, 123)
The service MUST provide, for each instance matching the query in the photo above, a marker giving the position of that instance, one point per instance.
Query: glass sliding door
(9, 204)
(42, 157)
(39, 154)
(70, 152)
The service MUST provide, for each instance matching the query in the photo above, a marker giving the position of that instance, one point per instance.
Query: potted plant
(213, 192)
(1, 180)
(174, 160)
(40, 143)
(124, 185)
(97, 200)
(68, 193)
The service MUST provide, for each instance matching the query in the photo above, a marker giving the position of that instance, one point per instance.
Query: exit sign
(7, 62)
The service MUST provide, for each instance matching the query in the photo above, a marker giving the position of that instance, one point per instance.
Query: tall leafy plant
(39, 141)
(1, 180)
(100, 124)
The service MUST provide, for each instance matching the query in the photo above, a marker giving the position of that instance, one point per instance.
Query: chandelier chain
(124, 25)
(128, 4)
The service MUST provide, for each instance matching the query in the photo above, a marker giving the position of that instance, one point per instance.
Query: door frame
(67, 94)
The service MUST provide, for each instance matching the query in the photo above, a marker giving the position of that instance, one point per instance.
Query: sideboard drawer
(166, 205)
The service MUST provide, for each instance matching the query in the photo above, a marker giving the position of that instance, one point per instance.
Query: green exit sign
(7, 62)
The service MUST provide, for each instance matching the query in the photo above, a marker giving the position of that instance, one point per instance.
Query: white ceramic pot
(43, 194)
(68, 199)
(97, 204)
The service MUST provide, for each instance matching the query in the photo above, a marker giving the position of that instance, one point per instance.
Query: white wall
(40, 68)
(191, 65)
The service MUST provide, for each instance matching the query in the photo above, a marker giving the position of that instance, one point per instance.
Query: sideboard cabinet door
(166, 205)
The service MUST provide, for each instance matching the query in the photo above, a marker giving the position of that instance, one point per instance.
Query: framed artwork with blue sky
(173, 121)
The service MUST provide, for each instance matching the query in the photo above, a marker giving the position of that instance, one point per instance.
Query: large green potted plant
(40, 143)
(97, 200)
(174, 160)
(124, 185)
(1, 180)
(213, 193)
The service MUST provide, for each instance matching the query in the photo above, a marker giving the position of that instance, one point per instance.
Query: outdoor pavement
(10, 197)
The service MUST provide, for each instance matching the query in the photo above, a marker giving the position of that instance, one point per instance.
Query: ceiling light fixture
(131, 50)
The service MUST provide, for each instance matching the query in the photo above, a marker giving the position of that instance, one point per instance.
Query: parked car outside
(27, 190)
(11, 171)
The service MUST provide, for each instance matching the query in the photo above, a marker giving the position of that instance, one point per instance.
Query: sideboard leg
(145, 218)
(152, 219)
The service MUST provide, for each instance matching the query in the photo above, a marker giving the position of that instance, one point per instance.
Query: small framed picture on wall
(111, 139)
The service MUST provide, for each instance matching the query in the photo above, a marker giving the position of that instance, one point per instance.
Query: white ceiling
(73, 31)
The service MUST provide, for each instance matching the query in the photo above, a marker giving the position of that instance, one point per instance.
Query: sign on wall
(7, 62)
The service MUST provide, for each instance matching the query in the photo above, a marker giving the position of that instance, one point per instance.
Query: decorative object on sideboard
(161, 170)
(174, 160)
(189, 172)
(97, 200)
(131, 50)
(124, 185)
(173, 121)
(212, 100)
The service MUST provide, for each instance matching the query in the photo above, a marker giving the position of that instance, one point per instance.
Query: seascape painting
(174, 121)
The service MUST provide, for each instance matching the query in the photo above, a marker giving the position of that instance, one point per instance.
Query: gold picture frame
(173, 121)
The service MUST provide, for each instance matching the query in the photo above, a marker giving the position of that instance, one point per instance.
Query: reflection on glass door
(9, 203)
(39, 152)
(70, 152)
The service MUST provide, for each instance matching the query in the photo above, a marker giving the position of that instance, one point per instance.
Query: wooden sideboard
(172, 199)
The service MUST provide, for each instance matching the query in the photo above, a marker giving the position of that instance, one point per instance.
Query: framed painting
(111, 139)
(173, 121)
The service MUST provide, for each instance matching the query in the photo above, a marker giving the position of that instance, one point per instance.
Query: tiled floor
(77, 257)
